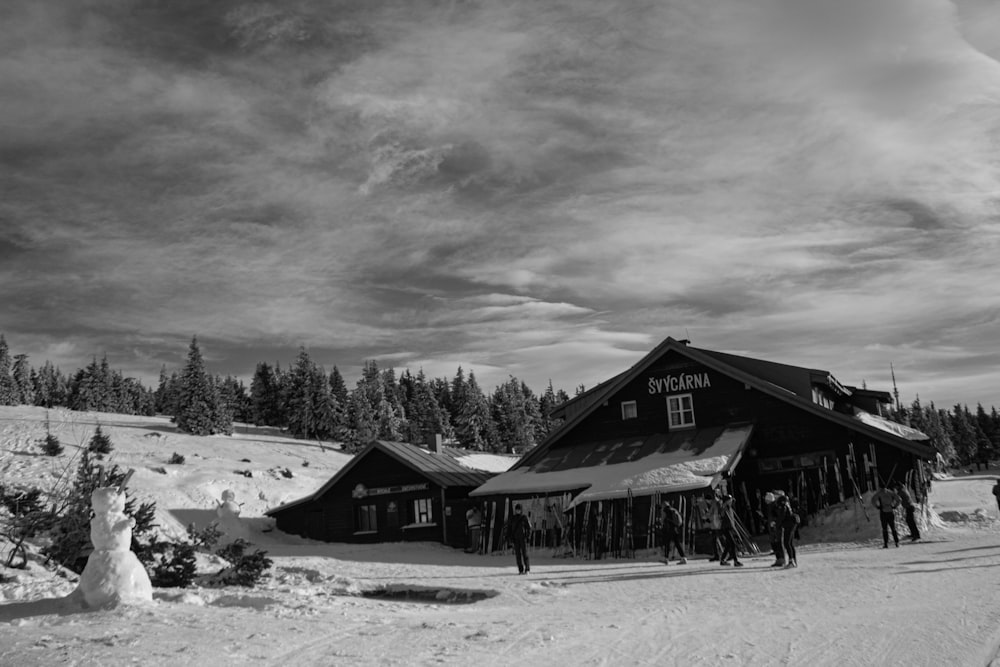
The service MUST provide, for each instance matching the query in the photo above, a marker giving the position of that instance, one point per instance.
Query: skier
(474, 520)
(672, 526)
(518, 530)
(787, 520)
(727, 520)
(886, 501)
(771, 501)
(910, 509)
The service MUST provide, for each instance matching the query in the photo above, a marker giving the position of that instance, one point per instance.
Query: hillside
(849, 603)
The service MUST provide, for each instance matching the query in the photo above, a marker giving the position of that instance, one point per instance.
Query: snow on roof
(681, 462)
(889, 426)
(487, 462)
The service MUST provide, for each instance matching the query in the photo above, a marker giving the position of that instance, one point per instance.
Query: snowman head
(107, 500)
(228, 495)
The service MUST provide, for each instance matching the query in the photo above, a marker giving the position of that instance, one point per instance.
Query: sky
(544, 190)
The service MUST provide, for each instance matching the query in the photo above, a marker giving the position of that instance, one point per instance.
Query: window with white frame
(680, 411)
(422, 511)
(629, 410)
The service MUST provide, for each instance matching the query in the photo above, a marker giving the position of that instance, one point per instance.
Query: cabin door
(392, 531)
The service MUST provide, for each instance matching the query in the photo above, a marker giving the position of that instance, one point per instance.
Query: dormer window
(629, 410)
(680, 411)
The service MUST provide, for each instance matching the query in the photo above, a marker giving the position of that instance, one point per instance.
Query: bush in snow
(176, 458)
(169, 564)
(206, 538)
(244, 569)
(23, 516)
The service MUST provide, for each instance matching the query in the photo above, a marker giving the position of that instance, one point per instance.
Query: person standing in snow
(906, 501)
(672, 526)
(518, 530)
(771, 501)
(886, 501)
(787, 520)
(712, 504)
(474, 520)
(727, 520)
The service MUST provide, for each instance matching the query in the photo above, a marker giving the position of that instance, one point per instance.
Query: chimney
(433, 442)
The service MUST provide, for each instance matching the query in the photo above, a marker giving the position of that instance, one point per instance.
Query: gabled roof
(440, 469)
(791, 384)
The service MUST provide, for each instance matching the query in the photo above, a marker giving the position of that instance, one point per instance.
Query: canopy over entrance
(662, 462)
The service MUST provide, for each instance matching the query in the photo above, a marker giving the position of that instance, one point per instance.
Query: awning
(665, 463)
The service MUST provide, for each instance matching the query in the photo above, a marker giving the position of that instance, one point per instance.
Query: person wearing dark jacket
(518, 530)
(787, 520)
(910, 509)
(886, 501)
(673, 529)
(771, 501)
(727, 520)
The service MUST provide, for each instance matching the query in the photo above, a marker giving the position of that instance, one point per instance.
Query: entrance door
(392, 531)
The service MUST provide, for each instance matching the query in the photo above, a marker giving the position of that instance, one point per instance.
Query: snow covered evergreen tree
(199, 406)
(265, 397)
(8, 391)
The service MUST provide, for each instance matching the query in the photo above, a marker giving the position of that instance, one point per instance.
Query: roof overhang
(676, 465)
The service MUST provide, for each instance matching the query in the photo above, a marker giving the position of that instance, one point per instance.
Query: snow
(889, 426)
(850, 602)
(682, 469)
(485, 462)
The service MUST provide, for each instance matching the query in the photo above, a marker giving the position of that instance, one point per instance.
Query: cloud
(515, 185)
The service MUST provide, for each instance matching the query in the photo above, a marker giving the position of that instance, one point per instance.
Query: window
(680, 411)
(365, 519)
(422, 511)
(629, 410)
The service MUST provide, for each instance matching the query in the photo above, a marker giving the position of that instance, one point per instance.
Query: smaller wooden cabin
(389, 492)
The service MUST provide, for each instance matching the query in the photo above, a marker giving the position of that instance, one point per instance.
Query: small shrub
(244, 569)
(176, 458)
(206, 538)
(170, 565)
(50, 445)
(100, 443)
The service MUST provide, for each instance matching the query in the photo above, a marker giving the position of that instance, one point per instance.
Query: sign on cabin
(679, 382)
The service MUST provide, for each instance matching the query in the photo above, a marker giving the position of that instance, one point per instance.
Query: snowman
(113, 573)
(228, 513)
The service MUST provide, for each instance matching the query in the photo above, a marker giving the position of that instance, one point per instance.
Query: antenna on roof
(895, 389)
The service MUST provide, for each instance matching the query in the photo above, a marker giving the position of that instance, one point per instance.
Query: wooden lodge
(389, 492)
(683, 421)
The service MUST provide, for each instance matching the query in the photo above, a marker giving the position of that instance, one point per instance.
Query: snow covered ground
(850, 602)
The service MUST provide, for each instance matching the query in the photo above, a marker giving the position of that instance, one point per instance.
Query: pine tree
(339, 399)
(100, 443)
(474, 426)
(963, 435)
(546, 423)
(265, 397)
(21, 375)
(309, 405)
(514, 413)
(199, 407)
(8, 392)
(424, 416)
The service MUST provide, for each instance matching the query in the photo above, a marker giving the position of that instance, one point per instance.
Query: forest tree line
(310, 403)
(303, 399)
